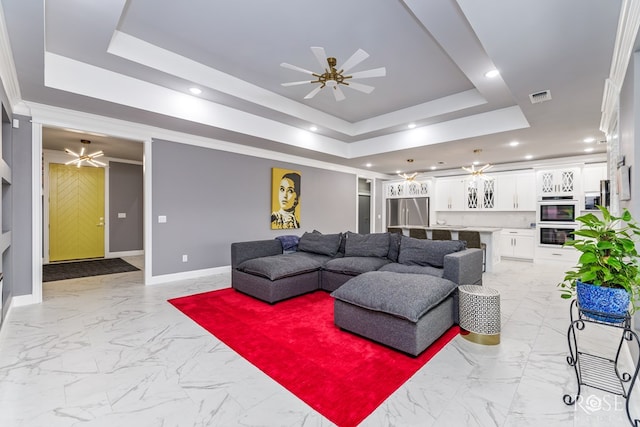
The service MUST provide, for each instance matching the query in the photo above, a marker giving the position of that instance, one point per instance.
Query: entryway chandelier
(80, 158)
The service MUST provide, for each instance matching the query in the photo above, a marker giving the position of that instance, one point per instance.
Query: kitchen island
(490, 236)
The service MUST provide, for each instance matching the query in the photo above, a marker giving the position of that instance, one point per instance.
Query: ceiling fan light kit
(333, 77)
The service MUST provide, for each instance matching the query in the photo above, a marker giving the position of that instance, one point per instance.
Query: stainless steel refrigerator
(408, 212)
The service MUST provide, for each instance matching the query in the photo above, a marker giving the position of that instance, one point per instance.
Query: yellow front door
(76, 212)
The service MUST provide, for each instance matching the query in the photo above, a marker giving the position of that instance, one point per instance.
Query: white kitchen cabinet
(418, 188)
(450, 194)
(592, 174)
(517, 243)
(561, 182)
(404, 188)
(480, 194)
(516, 191)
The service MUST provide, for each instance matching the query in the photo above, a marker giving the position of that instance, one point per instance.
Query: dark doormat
(73, 270)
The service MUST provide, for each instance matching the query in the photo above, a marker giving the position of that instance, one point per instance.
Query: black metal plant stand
(597, 371)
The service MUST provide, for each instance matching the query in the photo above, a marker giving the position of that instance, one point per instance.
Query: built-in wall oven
(556, 221)
(557, 211)
(555, 234)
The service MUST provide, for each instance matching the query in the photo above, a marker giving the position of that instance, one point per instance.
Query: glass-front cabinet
(561, 182)
(404, 188)
(481, 193)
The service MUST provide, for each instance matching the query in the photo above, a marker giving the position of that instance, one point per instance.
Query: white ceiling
(135, 60)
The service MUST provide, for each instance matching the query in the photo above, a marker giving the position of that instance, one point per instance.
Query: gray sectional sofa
(390, 288)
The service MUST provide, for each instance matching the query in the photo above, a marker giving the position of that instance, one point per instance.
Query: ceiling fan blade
(313, 93)
(338, 94)
(360, 87)
(359, 56)
(321, 56)
(375, 72)
(304, 82)
(295, 68)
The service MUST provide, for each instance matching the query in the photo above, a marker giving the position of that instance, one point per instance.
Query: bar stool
(418, 233)
(437, 234)
(473, 241)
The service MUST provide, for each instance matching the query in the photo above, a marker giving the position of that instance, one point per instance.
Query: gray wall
(212, 198)
(21, 276)
(629, 137)
(125, 196)
(378, 206)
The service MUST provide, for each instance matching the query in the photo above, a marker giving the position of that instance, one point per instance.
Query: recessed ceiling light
(411, 125)
(434, 168)
(195, 90)
(589, 140)
(514, 143)
(313, 128)
(476, 162)
(588, 150)
(398, 171)
(528, 157)
(491, 74)
(368, 165)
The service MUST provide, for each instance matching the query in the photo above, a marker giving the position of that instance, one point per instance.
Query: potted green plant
(607, 277)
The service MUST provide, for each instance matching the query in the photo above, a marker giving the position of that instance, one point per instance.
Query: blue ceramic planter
(612, 301)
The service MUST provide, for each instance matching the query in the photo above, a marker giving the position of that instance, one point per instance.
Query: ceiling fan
(333, 77)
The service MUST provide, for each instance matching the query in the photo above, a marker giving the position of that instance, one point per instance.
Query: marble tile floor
(108, 351)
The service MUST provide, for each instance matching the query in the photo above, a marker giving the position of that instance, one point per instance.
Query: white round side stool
(479, 311)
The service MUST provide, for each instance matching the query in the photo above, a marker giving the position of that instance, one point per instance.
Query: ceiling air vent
(539, 97)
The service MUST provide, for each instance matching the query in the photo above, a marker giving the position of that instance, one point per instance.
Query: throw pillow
(427, 252)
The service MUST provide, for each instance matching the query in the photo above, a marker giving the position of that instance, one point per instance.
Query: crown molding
(59, 117)
(8, 73)
(628, 25)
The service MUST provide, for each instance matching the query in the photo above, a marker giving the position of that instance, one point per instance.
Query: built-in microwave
(591, 201)
(557, 211)
(555, 235)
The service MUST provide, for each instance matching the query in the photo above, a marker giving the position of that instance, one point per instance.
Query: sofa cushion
(408, 296)
(427, 252)
(413, 269)
(325, 244)
(394, 246)
(363, 245)
(278, 266)
(355, 265)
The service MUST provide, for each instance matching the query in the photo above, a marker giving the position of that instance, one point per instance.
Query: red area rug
(342, 376)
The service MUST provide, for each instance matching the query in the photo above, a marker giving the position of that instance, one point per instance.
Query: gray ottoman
(407, 312)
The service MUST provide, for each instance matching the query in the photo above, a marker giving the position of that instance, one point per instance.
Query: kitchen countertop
(457, 228)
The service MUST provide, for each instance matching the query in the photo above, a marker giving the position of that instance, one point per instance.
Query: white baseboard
(155, 280)
(124, 253)
(21, 300)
